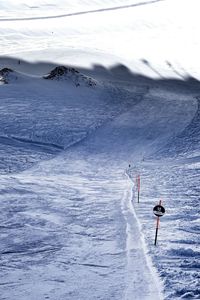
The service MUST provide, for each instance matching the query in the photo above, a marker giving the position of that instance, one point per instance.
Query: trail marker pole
(138, 187)
(157, 226)
(158, 211)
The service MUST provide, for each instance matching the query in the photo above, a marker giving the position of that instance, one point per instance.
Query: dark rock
(63, 73)
(4, 73)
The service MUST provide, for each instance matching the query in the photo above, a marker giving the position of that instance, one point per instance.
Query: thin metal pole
(157, 226)
(138, 186)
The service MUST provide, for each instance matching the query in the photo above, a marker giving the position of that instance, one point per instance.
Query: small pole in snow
(159, 211)
(138, 187)
(157, 226)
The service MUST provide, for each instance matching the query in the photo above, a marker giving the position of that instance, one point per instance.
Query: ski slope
(77, 209)
(71, 227)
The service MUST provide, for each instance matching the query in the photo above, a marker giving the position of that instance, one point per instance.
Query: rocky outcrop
(62, 73)
(5, 75)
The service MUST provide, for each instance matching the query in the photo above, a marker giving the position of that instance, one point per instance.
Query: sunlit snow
(93, 94)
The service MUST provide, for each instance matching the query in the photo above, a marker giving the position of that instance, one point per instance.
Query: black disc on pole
(159, 210)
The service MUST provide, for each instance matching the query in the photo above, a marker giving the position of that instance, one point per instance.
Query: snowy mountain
(93, 96)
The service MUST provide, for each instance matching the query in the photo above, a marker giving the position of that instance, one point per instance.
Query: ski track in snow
(135, 247)
(82, 12)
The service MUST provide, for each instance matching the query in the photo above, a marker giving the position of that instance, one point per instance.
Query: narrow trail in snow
(82, 12)
(140, 270)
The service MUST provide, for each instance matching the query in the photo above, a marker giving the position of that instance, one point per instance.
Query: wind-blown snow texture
(73, 141)
(69, 219)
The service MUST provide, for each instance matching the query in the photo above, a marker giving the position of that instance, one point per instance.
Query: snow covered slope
(83, 193)
(84, 93)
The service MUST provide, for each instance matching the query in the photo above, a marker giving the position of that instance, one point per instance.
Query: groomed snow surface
(71, 227)
(76, 131)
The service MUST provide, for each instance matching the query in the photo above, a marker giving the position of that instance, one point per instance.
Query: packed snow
(91, 96)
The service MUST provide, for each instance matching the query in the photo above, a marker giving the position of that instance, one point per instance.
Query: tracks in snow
(140, 271)
(82, 12)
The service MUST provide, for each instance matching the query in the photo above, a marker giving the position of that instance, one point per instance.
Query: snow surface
(71, 227)
(156, 38)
